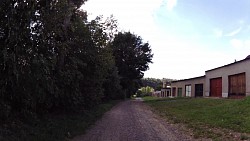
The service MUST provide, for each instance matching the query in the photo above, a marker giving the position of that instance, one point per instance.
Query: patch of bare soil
(133, 121)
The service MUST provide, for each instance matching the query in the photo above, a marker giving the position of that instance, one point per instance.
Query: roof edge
(246, 59)
(190, 78)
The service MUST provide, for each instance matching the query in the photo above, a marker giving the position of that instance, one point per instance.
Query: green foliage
(4, 110)
(155, 83)
(53, 59)
(145, 91)
(139, 93)
(53, 127)
(112, 87)
(132, 58)
(152, 82)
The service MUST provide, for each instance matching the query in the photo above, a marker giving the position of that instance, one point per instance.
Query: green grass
(53, 127)
(203, 114)
(150, 98)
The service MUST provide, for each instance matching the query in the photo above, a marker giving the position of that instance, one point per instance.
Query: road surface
(132, 120)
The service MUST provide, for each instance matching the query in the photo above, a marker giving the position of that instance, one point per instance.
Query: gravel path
(132, 121)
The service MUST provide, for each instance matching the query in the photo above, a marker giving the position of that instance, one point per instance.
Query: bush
(5, 110)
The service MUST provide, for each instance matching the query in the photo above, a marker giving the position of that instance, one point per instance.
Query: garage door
(216, 87)
(198, 90)
(237, 85)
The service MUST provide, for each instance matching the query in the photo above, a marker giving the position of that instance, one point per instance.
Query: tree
(112, 87)
(156, 84)
(152, 82)
(132, 58)
(146, 91)
(51, 57)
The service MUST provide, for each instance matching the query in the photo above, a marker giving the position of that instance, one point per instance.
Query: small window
(179, 92)
(188, 90)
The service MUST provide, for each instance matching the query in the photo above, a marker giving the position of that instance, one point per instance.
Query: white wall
(192, 82)
(224, 72)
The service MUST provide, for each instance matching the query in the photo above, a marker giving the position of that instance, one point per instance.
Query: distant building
(231, 80)
(166, 92)
(156, 93)
(192, 87)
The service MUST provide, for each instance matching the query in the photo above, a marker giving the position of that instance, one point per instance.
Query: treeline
(52, 58)
(155, 83)
(144, 91)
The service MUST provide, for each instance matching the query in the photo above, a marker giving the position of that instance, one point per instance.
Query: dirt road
(132, 121)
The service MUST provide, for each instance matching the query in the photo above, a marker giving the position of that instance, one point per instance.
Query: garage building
(231, 80)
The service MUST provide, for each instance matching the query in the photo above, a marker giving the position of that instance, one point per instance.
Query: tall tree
(132, 58)
(51, 57)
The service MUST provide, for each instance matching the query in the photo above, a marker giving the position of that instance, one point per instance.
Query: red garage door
(216, 87)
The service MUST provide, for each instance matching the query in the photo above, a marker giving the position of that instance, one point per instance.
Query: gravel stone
(132, 120)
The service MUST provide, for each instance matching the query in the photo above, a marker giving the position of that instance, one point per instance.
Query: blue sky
(187, 37)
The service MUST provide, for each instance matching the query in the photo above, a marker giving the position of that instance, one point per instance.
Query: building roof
(189, 79)
(246, 59)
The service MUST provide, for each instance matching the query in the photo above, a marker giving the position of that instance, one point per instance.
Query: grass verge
(150, 98)
(209, 118)
(53, 127)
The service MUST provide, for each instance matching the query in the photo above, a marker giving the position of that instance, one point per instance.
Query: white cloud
(136, 16)
(247, 43)
(234, 32)
(171, 4)
(218, 33)
(180, 59)
(241, 21)
(237, 43)
(121, 8)
(240, 48)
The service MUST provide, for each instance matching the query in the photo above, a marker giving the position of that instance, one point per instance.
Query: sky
(187, 37)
